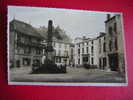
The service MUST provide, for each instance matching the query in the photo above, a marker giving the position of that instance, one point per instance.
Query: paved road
(72, 75)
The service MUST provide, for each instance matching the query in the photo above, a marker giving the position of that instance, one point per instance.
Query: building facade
(106, 51)
(86, 51)
(63, 53)
(102, 53)
(115, 49)
(25, 44)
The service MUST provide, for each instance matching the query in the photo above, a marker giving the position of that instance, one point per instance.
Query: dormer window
(116, 46)
(110, 45)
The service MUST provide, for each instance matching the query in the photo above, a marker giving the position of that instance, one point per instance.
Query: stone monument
(49, 65)
(49, 47)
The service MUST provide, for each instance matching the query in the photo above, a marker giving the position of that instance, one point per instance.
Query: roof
(24, 28)
(101, 34)
(110, 19)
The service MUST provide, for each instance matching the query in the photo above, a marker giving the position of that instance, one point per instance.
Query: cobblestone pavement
(72, 75)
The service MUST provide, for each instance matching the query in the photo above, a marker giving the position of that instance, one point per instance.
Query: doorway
(113, 61)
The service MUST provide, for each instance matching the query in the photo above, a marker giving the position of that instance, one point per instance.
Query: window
(110, 31)
(26, 61)
(78, 61)
(91, 42)
(115, 27)
(82, 50)
(59, 60)
(87, 43)
(92, 50)
(100, 63)
(56, 60)
(87, 50)
(79, 45)
(104, 61)
(85, 59)
(99, 45)
(71, 51)
(92, 60)
(116, 46)
(104, 47)
(110, 45)
(78, 51)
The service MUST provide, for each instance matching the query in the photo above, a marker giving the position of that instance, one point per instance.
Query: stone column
(50, 50)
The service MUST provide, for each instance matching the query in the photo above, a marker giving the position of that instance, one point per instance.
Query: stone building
(86, 51)
(24, 44)
(114, 41)
(106, 51)
(102, 51)
(63, 53)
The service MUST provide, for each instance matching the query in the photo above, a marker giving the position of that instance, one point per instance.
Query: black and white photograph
(56, 46)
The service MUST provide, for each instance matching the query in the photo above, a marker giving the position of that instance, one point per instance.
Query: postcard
(65, 47)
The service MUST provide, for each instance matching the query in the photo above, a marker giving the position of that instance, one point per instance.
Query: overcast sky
(76, 23)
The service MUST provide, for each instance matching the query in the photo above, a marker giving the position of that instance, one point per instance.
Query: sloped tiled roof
(58, 34)
(24, 28)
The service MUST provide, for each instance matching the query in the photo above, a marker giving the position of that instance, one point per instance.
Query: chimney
(108, 16)
(50, 26)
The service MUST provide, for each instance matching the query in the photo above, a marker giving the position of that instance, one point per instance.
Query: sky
(76, 23)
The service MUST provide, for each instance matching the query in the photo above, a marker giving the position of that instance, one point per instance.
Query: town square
(65, 46)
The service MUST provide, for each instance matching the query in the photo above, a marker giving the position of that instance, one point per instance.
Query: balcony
(86, 54)
(38, 45)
